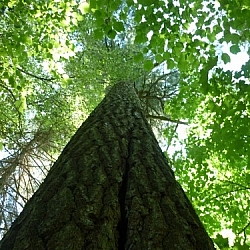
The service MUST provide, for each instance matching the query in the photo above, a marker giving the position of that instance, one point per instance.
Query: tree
(126, 39)
(111, 188)
(55, 105)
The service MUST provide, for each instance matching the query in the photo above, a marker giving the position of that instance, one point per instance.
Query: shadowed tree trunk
(111, 188)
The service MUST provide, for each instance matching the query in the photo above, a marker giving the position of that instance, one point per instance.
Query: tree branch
(164, 118)
(35, 76)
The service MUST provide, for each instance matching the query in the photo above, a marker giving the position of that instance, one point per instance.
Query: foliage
(58, 57)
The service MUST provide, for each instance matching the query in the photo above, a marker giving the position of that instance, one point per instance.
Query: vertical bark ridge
(123, 223)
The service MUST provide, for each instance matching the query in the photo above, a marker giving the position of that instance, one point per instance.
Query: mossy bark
(111, 188)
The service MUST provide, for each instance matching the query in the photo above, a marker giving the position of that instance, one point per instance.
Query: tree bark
(111, 188)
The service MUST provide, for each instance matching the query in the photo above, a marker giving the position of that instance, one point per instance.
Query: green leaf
(231, 37)
(140, 38)
(171, 64)
(182, 64)
(130, 2)
(154, 41)
(148, 65)
(200, 32)
(138, 57)
(28, 40)
(166, 55)
(123, 16)
(12, 81)
(226, 58)
(114, 5)
(84, 7)
(98, 14)
(112, 34)
(178, 47)
(147, 2)
(21, 104)
(50, 46)
(98, 34)
(1, 145)
(64, 83)
(234, 49)
(221, 241)
(118, 26)
(204, 81)
(212, 62)
(145, 50)
(93, 4)
(11, 4)
(99, 18)
(159, 58)
(138, 17)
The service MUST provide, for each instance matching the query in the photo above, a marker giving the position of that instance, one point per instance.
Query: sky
(236, 60)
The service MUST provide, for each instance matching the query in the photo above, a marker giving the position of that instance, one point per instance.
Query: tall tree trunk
(111, 188)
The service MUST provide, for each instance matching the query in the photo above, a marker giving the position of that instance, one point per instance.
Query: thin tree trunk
(111, 188)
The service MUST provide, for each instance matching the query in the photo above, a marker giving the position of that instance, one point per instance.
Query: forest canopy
(59, 58)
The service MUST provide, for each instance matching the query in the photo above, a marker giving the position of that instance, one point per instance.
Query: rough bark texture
(111, 188)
